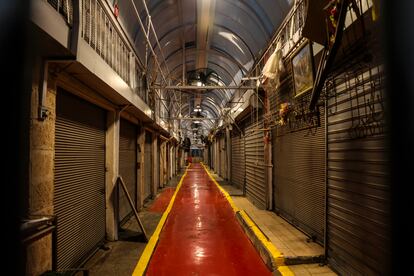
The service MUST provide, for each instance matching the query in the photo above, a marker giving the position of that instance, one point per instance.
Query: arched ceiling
(222, 35)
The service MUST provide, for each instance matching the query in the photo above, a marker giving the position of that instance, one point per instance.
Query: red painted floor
(162, 201)
(201, 235)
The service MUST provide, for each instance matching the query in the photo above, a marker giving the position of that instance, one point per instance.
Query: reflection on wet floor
(201, 235)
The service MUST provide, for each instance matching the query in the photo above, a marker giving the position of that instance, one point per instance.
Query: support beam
(193, 87)
(228, 152)
(205, 19)
(112, 172)
(193, 119)
(141, 169)
(155, 165)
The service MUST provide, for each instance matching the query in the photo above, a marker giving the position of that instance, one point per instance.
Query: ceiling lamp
(197, 109)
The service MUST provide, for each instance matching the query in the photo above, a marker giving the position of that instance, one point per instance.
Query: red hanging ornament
(116, 10)
(266, 138)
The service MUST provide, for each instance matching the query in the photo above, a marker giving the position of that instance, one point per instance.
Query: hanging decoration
(284, 111)
(332, 10)
(273, 68)
(116, 9)
(266, 138)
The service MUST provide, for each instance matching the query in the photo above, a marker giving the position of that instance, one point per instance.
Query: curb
(149, 249)
(272, 257)
(259, 241)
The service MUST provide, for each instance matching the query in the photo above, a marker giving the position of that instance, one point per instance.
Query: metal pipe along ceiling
(184, 35)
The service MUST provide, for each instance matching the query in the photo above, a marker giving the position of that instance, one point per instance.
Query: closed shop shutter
(358, 187)
(238, 161)
(127, 167)
(79, 194)
(148, 165)
(256, 189)
(299, 176)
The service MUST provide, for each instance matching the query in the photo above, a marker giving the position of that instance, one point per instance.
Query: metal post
(131, 204)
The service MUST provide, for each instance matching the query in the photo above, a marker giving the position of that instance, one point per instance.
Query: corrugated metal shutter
(148, 165)
(238, 161)
(256, 189)
(299, 176)
(127, 167)
(358, 187)
(79, 195)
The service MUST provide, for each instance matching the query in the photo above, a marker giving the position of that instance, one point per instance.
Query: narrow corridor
(289, 113)
(201, 235)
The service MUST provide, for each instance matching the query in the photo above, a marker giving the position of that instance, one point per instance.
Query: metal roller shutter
(358, 188)
(148, 165)
(256, 189)
(127, 167)
(238, 161)
(79, 195)
(299, 177)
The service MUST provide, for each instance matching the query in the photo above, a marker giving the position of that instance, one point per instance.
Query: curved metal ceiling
(223, 35)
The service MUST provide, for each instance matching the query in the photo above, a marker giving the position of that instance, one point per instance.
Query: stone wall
(42, 143)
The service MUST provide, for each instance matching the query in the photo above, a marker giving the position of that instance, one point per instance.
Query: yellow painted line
(285, 271)
(277, 256)
(224, 192)
(150, 247)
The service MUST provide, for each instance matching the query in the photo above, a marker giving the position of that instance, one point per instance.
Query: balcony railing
(105, 35)
(99, 32)
(65, 8)
(140, 85)
(290, 32)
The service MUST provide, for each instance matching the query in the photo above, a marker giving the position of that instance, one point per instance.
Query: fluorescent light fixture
(232, 38)
(251, 78)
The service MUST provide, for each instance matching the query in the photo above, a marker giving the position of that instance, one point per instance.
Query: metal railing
(99, 32)
(65, 8)
(290, 32)
(140, 86)
(36, 227)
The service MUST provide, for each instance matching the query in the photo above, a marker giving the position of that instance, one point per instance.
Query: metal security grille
(79, 194)
(256, 189)
(358, 188)
(100, 33)
(299, 177)
(65, 8)
(238, 161)
(127, 167)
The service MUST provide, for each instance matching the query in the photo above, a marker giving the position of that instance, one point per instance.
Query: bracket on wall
(43, 111)
(332, 44)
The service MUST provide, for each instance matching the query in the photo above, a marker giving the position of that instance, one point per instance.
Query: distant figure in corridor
(189, 160)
